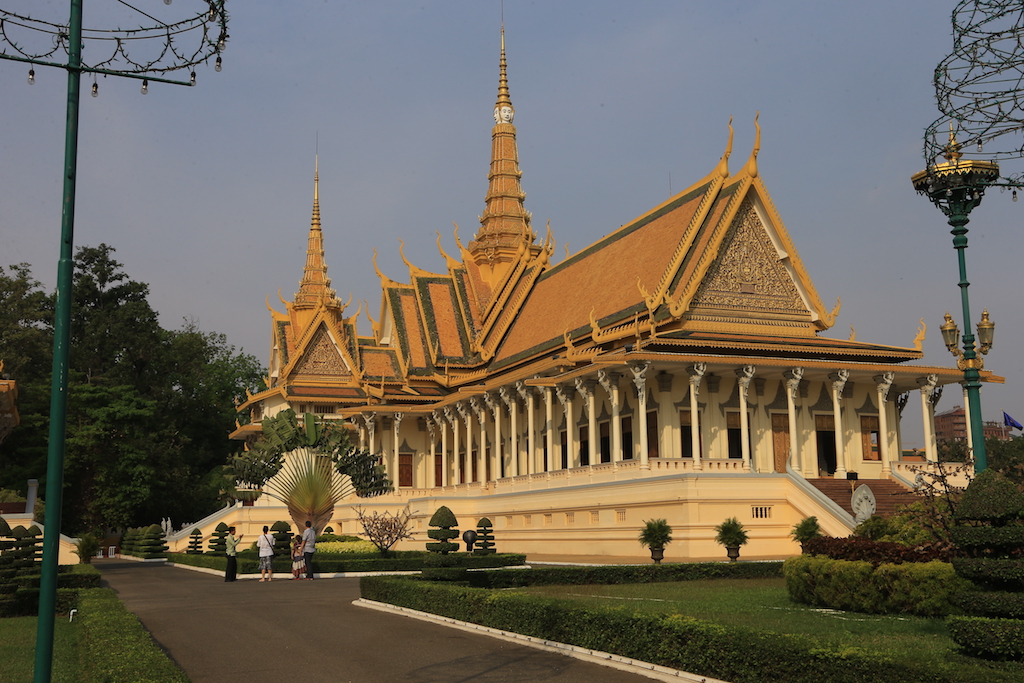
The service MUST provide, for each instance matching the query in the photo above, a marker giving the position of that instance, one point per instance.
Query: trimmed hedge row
(924, 589)
(991, 604)
(704, 648)
(116, 647)
(996, 572)
(25, 602)
(20, 598)
(991, 638)
(876, 552)
(248, 563)
(647, 573)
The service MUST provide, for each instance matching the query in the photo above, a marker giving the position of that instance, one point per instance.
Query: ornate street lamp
(199, 37)
(957, 187)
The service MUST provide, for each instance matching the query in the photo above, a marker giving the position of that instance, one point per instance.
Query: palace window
(595, 516)
(735, 430)
(652, 434)
(686, 434)
(405, 469)
(825, 430)
(627, 438)
(565, 450)
(870, 438)
(570, 517)
(603, 430)
(584, 442)
(761, 512)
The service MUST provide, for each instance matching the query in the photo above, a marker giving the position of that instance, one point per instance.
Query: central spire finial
(503, 110)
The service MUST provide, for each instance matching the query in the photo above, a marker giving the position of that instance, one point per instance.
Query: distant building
(952, 425)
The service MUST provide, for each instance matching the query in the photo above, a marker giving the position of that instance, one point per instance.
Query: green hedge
(1002, 573)
(990, 638)
(1001, 537)
(647, 573)
(924, 589)
(248, 563)
(704, 648)
(68, 576)
(991, 604)
(25, 602)
(116, 647)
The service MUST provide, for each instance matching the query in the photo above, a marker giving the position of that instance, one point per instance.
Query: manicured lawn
(17, 650)
(764, 604)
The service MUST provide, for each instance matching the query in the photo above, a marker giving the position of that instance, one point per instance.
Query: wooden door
(780, 440)
(405, 469)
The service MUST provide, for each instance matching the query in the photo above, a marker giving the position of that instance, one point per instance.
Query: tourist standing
(265, 543)
(298, 559)
(308, 548)
(231, 550)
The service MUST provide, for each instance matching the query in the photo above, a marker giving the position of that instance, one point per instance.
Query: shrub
(195, 542)
(924, 589)
(656, 533)
(857, 548)
(991, 497)
(805, 530)
(997, 573)
(218, 546)
(282, 533)
(86, 548)
(874, 528)
(990, 638)
(444, 520)
(484, 537)
(991, 604)
(348, 547)
(335, 538)
(731, 533)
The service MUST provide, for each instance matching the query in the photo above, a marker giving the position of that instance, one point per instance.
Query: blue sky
(206, 192)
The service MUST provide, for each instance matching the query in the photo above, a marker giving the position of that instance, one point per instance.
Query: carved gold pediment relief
(321, 358)
(748, 274)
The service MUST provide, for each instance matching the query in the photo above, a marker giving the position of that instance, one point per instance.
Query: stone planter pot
(657, 554)
(733, 551)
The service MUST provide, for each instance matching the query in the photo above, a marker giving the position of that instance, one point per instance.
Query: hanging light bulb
(167, 2)
(192, 79)
(31, 76)
(145, 83)
(1015, 195)
(95, 89)
(217, 66)
(221, 44)
(979, 144)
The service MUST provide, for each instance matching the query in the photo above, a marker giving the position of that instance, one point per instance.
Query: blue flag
(1010, 422)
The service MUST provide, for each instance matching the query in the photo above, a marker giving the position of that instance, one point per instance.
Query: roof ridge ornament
(723, 165)
(751, 167)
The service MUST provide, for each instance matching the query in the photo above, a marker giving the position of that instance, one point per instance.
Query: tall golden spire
(505, 223)
(315, 284)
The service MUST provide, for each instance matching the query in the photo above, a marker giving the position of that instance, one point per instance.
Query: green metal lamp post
(957, 187)
(69, 37)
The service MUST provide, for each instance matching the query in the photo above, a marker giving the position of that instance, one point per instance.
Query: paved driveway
(252, 632)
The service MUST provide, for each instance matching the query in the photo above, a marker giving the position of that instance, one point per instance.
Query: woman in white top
(265, 543)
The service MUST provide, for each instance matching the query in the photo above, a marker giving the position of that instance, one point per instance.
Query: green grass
(764, 604)
(17, 650)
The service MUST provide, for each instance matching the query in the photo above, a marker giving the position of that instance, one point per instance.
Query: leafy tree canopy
(149, 409)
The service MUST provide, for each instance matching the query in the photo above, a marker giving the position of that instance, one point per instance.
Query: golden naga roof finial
(381, 275)
(919, 339)
(830, 318)
(752, 161)
(723, 165)
(401, 252)
(457, 240)
(952, 149)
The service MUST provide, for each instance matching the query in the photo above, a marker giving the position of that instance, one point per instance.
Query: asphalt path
(252, 632)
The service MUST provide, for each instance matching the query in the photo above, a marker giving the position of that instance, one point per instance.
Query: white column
(531, 438)
(610, 382)
(882, 383)
(431, 473)
(453, 422)
(743, 377)
(792, 379)
(442, 422)
(696, 372)
(509, 399)
(586, 390)
(639, 371)
(564, 395)
(839, 379)
(495, 405)
(481, 446)
(467, 421)
(397, 419)
(927, 385)
(549, 414)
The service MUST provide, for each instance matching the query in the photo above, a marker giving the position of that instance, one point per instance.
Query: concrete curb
(658, 673)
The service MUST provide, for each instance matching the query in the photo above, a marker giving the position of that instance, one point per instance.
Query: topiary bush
(195, 543)
(484, 538)
(444, 520)
(856, 548)
(990, 532)
(282, 533)
(218, 544)
(152, 545)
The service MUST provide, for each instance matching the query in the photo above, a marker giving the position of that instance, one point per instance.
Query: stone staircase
(889, 494)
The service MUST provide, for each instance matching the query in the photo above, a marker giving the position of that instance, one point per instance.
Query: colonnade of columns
(468, 436)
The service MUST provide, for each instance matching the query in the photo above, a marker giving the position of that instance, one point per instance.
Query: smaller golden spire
(952, 149)
(504, 112)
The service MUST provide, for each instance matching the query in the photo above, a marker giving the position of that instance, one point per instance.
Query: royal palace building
(677, 368)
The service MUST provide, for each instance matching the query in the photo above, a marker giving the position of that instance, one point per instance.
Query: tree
(149, 409)
(309, 466)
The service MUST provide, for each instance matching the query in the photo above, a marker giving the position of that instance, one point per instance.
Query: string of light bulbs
(979, 88)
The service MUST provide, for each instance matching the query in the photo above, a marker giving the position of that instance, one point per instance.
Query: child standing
(298, 560)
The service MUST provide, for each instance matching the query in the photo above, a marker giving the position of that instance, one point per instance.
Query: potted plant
(732, 535)
(805, 530)
(655, 535)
